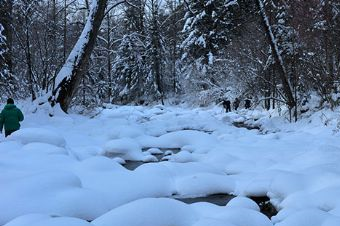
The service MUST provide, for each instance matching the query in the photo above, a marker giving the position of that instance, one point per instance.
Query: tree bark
(29, 62)
(108, 49)
(65, 31)
(6, 8)
(277, 56)
(76, 66)
(156, 49)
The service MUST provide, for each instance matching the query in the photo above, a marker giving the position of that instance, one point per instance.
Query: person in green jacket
(10, 117)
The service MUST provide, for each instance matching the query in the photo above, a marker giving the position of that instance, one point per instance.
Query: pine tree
(172, 25)
(130, 69)
(208, 25)
(155, 52)
(129, 66)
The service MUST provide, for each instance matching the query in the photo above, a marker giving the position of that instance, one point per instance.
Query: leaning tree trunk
(277, 56)
(76, 65)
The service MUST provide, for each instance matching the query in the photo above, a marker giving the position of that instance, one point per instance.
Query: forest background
(279, 53)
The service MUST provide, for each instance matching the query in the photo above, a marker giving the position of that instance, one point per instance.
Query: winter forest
(170, 112)
(141, 51)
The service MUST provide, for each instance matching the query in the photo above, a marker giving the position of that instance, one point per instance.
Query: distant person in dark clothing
(236, 103)
(227, 105)
(247, 103)
(10, 117)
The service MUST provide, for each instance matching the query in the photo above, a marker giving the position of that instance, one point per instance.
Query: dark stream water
(132, 165)
(222, 199)
(245, 125)
(218, 199)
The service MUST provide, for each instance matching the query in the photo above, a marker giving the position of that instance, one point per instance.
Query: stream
(218, 199)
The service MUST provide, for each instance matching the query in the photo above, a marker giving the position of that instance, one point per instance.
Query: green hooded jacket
(10, 117)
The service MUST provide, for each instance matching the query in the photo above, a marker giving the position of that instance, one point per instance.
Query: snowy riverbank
(55, 171)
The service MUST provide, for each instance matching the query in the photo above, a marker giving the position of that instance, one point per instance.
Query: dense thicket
(276, 52)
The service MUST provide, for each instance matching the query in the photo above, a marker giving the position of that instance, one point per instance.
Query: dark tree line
(278, 52)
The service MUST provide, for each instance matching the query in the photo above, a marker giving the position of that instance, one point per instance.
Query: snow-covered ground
(66, 169)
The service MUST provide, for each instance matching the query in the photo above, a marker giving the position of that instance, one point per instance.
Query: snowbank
(66, 169)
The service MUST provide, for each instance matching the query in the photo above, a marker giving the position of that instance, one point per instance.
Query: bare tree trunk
(65, 30)
(173, 58)
(277, 56)
(6, 8)
(274, 91)
(108, 47)
(29, 60)
(174, 36)
(327, 38)
(156, 49)
(76, 66)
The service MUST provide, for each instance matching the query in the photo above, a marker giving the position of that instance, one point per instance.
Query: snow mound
(310, 217)
(198, 141)
(243, 202)
(154, 151)
(203, 184)
(99, 163)
(46, 220)
(30, 135)
(151, 211)
(53, 192)
(229, 216)
(182, 156)
(43, 148)
(122, 131)
(125, 148)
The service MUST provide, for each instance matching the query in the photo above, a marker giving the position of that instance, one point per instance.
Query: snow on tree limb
(271, 35)
(277, 56)
(76, 65)
(75, 56)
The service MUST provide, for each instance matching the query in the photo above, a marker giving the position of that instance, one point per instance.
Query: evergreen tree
(129, 66)
(130, 70)
(172, 24)
(324, 49)
(155, 52)
(208, 25)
